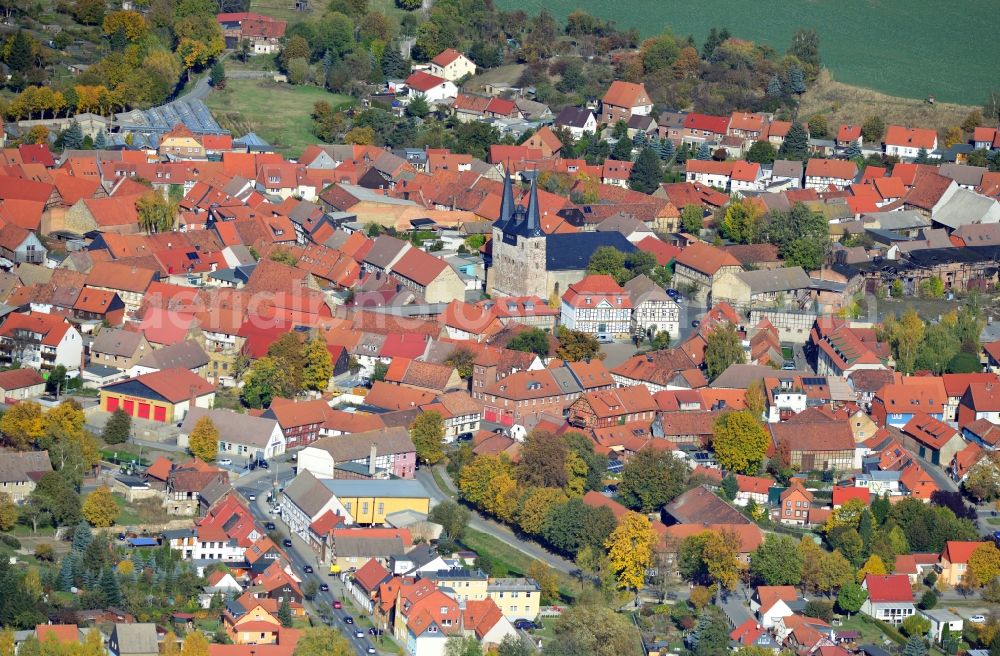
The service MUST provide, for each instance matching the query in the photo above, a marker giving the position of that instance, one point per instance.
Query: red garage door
(129, 407)
(159, 413)
(143, 410)
(112, 403)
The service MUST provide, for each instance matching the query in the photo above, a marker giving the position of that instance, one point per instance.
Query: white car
(252, 497)
(226, 461)
(977, 619)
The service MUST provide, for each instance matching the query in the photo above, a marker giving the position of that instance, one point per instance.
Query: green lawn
(993, 521)
(509, 558)
(278, 112)
(910, 48)
(142, 512)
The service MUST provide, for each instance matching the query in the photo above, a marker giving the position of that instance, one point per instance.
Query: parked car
(789, 365)
(674, 294)
(604, 338)
(307, 569)
(462, 437)
(270, 526)
(286, 542)
(977, 619)
(695, 323)
(375, 632)
(323, 587)
(337, 605)
(525, 625)
(348, 619)
(263, 464)
(225, 462)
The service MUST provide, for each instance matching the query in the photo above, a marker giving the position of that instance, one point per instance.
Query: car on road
(337, 605)
(977, 619)
(286, 543)
(789, 365)
(695, 323)
(323, 587)
(525, 625)
(263, 464)
(270, 526)
(307, 569)
(359, 634)
(252, 497)
(371, 650)
(604, 338)
(225, 462)
(348, 619)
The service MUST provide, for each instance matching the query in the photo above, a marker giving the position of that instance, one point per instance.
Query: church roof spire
(507, 200)
(534, 221)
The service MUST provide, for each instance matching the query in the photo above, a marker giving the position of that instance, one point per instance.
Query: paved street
(497, 530)
(259, 483)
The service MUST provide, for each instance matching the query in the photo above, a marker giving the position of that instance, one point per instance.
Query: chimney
(371, 461)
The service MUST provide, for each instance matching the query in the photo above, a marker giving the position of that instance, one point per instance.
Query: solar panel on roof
(813, 381)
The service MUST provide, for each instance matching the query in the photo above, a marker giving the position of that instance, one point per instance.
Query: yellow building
(181, 142)
(466, 584)
(256, 625)
(517, 598)
(953, 563)
(369, 501)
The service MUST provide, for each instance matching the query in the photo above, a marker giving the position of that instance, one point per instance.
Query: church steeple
(534, 221)
(507, 200)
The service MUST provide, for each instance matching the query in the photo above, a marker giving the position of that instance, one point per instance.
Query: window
(364, 508)
(381, 508)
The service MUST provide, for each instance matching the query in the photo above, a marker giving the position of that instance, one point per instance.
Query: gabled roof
(446, 56)
(958, 552)
(424, 82)
(174, 385)
(626, 94)
(705, 258)
(888, 588)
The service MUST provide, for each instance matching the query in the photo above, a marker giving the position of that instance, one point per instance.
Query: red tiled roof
(897, 135)
(705, 258)
(626, 94)
(706, 123)
(831, 168)
(842, 494)
(423, 82)
(175, 385)
(446, 56)
(888, 588)
(958, 552)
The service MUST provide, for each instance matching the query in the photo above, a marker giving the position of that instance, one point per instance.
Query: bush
(916, 625)
(10, 540)
(44, 552)
(821, 610)
(928, 600)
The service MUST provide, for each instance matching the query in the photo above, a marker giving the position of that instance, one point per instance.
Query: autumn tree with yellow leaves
(630, 550)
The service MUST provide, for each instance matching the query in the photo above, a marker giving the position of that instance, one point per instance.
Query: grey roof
(532, 109)
(966, 207)
(375, 488)
(979, 234)
(518, 584)
(184, 355)
(384, 250)
(575, 117)
(902, 220)
(364, 194)
(739, 376)
(214, 491)
(251, 141)
(970, 176)
(572, 251)
(671, 119)
(17, 466)
(357, 446)
(765, 281)
(308, 493)
(641, 289)
(233, 427)
(115, 341)
(785, 168)
(623, 224)
(138, 638)
(193, 113)
(101, 370)
(349, 546)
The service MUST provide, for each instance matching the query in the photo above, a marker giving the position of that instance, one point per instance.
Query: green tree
(711, 634)
(218, 74)
(651, 479)
(928, 600)
(532, 340)
(458, 645)
(204, 440)
(692, 219)
(379, 370)
(318, 365)
(463, 360)
(284, 613)
(762, 152)
(741, 222)
(57, 497)
(646, 174)
(609, 261)
(796, 143)
(594, 630)
(514, 645)
(452, 517)
(118, 428)
(778, 561)
(873, 129)
(8, 512)
(723, 348)
(740, 442)
(264, 381)
(904, 336)
(574, 525)
(916, 625)
(418, 107)
(850, 598)
(156, 213)
(73, 137)
(623, 150)
(427, 433)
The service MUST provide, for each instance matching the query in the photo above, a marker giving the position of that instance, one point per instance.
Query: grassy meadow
(910, 48)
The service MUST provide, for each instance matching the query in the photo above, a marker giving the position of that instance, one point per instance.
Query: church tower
(518, 246)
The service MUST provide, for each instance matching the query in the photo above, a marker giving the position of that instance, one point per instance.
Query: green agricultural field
(278, 112)
(911, 48)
